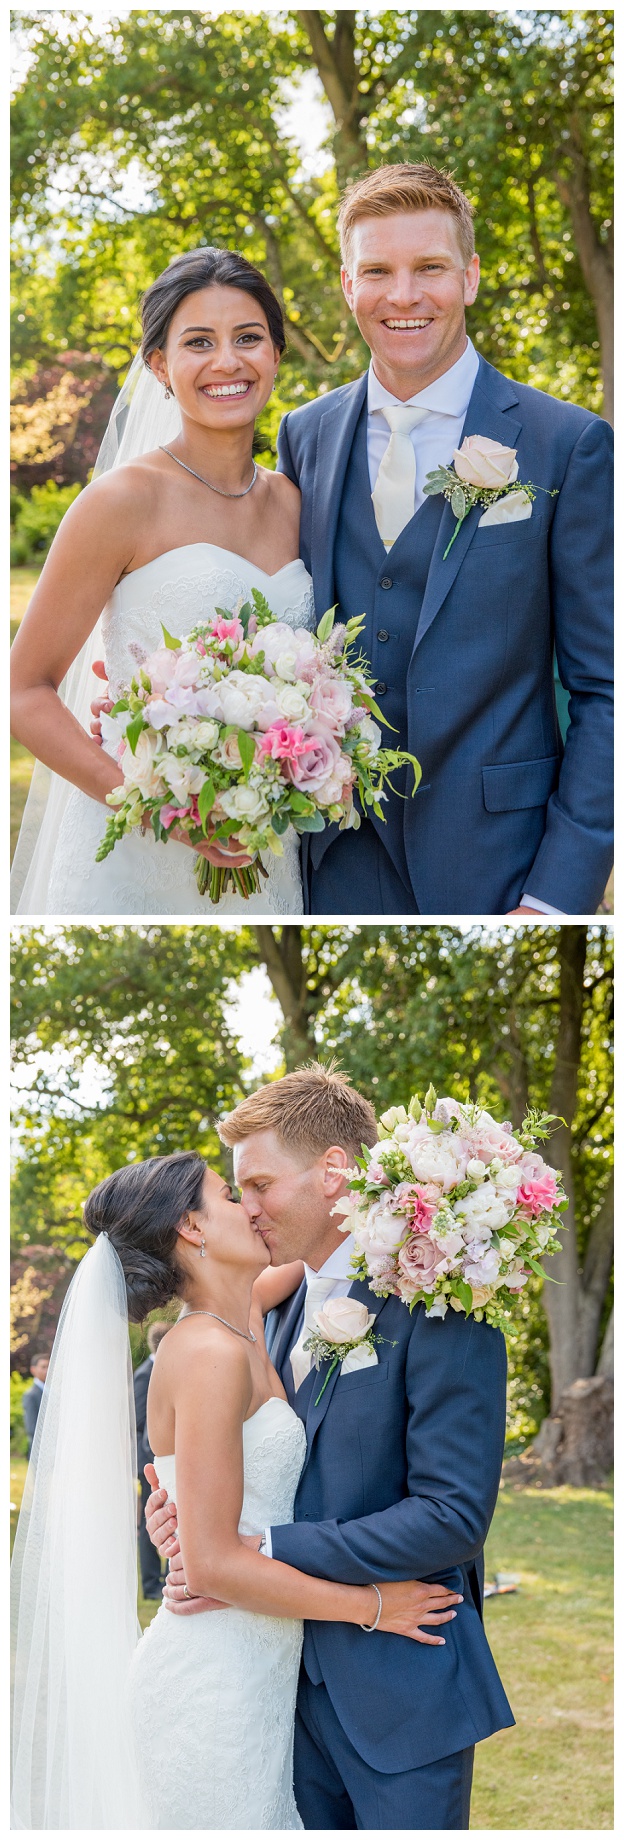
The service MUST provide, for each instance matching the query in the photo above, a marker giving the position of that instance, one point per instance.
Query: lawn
(553, 1646)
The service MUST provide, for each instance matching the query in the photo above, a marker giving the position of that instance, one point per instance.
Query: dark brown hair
(201, 268)
(140, 1207)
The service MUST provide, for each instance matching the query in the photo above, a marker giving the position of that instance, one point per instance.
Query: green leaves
(325, 626)
(458, 502)
(246, 749)
(173, 645)
(134, 729)
(205, 802)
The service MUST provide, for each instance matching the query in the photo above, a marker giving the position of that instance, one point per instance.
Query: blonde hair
(309, 1110)
(405, 188)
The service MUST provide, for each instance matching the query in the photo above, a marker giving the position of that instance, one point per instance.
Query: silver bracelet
(369, 1627)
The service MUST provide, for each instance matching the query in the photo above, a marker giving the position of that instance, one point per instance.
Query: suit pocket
(363, 1376)
(520, 783)
(528, 530)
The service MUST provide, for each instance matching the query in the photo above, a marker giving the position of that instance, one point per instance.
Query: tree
(194, 105)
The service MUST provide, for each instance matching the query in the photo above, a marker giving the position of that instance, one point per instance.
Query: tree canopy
(144, 134)
(124, 1046)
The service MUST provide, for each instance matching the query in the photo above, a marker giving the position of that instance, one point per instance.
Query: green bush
(19, 1440)
(35, 520)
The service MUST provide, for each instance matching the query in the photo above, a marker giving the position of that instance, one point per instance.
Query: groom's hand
(161, 1518)
(175, 1595)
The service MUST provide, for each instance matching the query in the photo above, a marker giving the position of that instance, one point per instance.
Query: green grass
(552, 1644)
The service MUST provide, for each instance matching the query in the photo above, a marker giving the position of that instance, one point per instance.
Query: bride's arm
(211, 1395)
(92, 548)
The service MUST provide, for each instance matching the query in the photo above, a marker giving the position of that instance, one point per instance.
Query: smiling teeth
(394, 324)
(226, 389)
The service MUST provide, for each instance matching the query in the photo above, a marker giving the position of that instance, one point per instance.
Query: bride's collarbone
(264, 534)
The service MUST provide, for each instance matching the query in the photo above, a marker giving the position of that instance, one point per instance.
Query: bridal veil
(141, 420)
(74, 1574)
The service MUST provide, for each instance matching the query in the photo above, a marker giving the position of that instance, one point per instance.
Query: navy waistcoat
(388, 587)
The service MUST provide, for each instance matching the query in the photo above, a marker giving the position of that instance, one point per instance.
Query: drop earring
(202, 1251)
(168, 392)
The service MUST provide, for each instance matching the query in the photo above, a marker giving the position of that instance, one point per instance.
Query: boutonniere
(483, 473)
(343, 1328)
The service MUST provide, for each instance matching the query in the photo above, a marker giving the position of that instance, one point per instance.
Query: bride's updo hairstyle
(140, 1207)
(202, 268)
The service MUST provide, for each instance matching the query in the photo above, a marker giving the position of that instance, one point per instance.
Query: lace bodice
(183, 587)
(142, 876)
(274, 1445)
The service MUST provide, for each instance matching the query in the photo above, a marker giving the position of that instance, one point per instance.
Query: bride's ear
(189, 1231)
(158, 365)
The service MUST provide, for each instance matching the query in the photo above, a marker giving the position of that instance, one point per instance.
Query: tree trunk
(606, 1363)
(283, 960)
(561, 1299)
(337, 69)
(595, 257)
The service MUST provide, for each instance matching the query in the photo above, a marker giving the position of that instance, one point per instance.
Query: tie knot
(403, 417)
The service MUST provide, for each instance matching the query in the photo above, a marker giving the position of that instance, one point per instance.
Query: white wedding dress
(212, 1696)
(142, 876)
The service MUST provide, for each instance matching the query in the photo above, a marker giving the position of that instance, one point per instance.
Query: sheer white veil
(141, 420)
(74, 1573)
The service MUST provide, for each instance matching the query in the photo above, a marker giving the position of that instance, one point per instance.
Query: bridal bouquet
(451, 1208)
(246, 728)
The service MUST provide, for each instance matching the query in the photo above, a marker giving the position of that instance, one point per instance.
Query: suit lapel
(335, 440)
(320, 1395)
(282, 1341)
(492, 397)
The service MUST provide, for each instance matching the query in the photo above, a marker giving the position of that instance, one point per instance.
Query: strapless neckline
(232, 554)
(273, 1401)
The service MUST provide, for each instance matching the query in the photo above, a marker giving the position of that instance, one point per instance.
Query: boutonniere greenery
(481, 473)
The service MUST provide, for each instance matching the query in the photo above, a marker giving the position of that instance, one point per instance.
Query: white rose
(197, 735)
(385, 1229)
(484, 1212)
(481, 462)
(292, 702)
(245, 802)
(476, 1169)
(343, 1319)
(507, 1179)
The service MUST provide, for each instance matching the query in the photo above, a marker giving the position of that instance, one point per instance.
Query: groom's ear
(471, 281)
(335, 1165)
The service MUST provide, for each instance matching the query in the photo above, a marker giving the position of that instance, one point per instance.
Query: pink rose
(169, 814)
(312, 769)
(332, 699)
(417, 1261)
(539, 1196)
(488, 1139)
(283, 742)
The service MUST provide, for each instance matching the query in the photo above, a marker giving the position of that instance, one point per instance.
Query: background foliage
(125, 1046)
(138, 136)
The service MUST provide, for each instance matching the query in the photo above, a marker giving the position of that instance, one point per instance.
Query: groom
(505, 819)
(400, 1481)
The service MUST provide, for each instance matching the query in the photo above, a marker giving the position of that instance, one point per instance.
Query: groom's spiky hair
(309, 1110)
(405, 187)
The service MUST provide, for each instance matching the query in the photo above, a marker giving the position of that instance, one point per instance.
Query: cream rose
(481, 462)
(343, 1320)
(140, 769)
(246, 803)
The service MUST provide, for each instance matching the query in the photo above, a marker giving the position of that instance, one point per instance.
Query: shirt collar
(449, 395)
(38, 1382)
(337, 1265)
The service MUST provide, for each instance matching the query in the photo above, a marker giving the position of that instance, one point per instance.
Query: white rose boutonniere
(344, 1336)
(483, 472)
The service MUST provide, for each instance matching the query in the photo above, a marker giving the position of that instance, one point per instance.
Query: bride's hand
(222, 856)
(405, 1606)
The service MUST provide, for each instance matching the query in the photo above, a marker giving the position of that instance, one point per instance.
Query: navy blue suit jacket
(501, 805)
(400, 1481)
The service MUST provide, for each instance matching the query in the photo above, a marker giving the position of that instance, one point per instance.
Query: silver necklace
(227, 1325)
(222, 494)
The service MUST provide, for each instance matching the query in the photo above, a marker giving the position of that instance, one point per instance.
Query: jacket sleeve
(285, 462)
(455, 1381)
(573, 862)
(30, 1408)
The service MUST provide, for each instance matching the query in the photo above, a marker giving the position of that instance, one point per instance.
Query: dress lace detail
(142, 876)
(212, 1697)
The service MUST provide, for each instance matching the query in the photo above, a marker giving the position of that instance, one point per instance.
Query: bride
(179, 519)
(190, 1726)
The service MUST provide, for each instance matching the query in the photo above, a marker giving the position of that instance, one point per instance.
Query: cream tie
(395, 488)
(316, 1295)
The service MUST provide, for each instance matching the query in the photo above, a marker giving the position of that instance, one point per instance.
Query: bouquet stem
(216, 882)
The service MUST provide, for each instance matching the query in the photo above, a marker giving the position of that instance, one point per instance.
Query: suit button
(380, 689)
(386, 581)
(382, 636)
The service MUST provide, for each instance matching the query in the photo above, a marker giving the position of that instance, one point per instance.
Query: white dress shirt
(336, 1267)
(434, 442)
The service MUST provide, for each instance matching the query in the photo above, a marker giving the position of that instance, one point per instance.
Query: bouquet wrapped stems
(216, 882)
